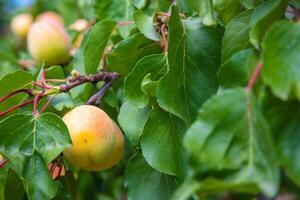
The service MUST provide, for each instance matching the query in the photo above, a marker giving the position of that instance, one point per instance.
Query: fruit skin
(80, 25)
(1, 158)
(97, 144)
(20, 25)
(51, 17)
(48, 42)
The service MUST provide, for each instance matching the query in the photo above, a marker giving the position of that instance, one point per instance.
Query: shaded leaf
(143, 182)
(234, 138)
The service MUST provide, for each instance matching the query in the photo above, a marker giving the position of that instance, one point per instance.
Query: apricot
(80, 25)
(49, 43)
(50, 16)
(97, 141)
(1, 158)
(20, 25)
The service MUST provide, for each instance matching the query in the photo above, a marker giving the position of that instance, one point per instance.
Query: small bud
(75, 73)
(21, 24)
(48, 43)
(80, 25)
(50, 16)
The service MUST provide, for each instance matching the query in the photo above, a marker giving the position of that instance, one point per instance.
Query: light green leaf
(205, 10)
(129, 51)
(236, 36)
(145, 25)
(281, 61)
(96, 44)
(155, 66)
(194, 57)
(132, 120)
(263, 17)
(11, 82)
(227, 9)
(231, 135)
(251, 3)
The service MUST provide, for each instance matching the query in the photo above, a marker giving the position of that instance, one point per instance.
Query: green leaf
(132, 120)
(288, 145)
(281, 61)
(251, 3)
(127, 53)
(194, 57)
(11, 82)
(12, 184)
(230, 135)
(155, 66)
(145, 25)
(96, 44)
(237, 70)
(31, 146)
(118, 10)
(205, 10)
(143, 182)
(54, 72)
(162, 142)
(263, 17)
(63, 100)
(227, 9)
(236, 36)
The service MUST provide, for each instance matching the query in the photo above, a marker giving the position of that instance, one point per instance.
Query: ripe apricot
(49, 43)
(50, 16)
(20, 25)
(97, 142)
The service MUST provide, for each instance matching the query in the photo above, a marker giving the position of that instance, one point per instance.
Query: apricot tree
(151, 99)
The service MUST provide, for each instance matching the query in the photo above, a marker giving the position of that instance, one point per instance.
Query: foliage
(206, 93)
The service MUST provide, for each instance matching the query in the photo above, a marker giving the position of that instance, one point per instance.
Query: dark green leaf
(31, 146)
(127, 53)
(162, 142)
(231, 135)
(236, 36)
(227, 9)
(194, 58)
(143, 182)
(155, 66)
(250, 3)
(96, 44)
(237, 70)
(13, 183)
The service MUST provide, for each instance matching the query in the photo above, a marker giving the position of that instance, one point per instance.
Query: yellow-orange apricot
(20, 25)
(50, 16)
(97, 142)
(49, 43)
(80, 25)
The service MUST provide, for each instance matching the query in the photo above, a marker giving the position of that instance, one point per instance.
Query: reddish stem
(15, 107)
(35, 104)
(164, 38)
(3, 162)
(27, 91)
(126, 23)
(254, 76)
(47, 104)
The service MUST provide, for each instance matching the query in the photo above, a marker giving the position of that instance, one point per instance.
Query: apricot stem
(254, 76)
